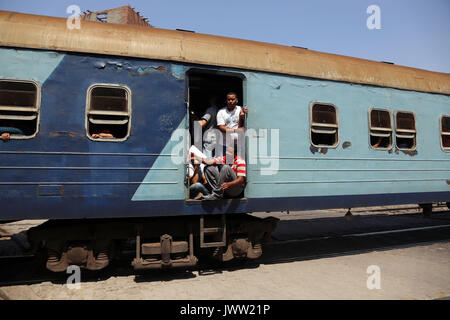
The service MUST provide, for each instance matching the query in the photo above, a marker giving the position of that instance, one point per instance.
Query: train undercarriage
(163, 242)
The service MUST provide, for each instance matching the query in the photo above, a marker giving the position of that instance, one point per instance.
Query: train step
(220, 231)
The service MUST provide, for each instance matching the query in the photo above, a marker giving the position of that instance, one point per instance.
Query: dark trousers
(216, 178)
(196, 188)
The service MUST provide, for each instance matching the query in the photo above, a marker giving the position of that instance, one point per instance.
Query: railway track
(27, 269)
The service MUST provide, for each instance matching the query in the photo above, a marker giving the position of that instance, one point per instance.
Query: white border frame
(311, 105)
(440, 132)
(37, 107)
(415, 127)
(88, 104)
(370, 129)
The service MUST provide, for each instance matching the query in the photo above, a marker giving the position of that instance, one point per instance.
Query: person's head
(231, 150)
(232, 100)
(212, 100)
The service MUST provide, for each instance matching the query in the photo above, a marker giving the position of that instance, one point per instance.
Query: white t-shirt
(198, 153)
(229, 119)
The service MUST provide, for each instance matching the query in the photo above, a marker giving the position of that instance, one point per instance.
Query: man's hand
(198, 160)
(193, 115)
(243, 112)
(225, 185)
(5, 136)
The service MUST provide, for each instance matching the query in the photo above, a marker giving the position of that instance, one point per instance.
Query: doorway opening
(207, 88)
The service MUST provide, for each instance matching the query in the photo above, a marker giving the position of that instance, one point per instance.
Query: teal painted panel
(28, 64)
(165, 179)
(353, 167)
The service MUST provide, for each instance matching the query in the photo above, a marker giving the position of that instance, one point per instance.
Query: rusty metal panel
(33, 31)
(120, 15)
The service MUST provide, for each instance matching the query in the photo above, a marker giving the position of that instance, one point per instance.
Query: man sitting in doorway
(197, 189)
(229, 181)
(198, 183)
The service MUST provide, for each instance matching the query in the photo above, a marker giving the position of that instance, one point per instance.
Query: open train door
(207, 87)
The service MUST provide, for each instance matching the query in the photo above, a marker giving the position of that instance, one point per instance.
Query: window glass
(405, 132)
(380, 129)
(324, 125)
(445, 133)
(108, 113)
(19, 108)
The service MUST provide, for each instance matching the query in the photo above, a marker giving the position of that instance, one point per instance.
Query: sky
(414, 33)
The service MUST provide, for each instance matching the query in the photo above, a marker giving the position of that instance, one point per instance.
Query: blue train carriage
(99, 121)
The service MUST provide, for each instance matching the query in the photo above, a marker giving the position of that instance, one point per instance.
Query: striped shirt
(239, 167)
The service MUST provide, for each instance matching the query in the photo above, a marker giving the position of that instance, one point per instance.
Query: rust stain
(150, 69)
(313, 149)
(346, 144)
(62, 133)
(410, 153)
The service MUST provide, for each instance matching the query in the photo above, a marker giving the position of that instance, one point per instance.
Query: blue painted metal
(61, 174)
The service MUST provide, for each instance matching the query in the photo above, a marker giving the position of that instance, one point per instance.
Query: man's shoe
(199, 196)
(212, 196)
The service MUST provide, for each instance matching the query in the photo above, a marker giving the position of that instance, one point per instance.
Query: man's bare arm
(202, 122)
(202, 160)
(242, 114)
(224, 129)
(195, 177)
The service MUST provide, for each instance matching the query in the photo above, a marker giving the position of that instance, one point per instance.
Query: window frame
(415, 131)
(440, 132)
(311, 105)
(88, 105)
(37, 107)
(370, 128)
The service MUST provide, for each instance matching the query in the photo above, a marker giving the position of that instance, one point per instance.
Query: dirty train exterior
(61, 167)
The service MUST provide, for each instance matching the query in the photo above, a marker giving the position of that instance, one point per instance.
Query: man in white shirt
(230, 120)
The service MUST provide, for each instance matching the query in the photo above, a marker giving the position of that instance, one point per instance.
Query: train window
(380, 129)
(324, 125)
(108, 112)
(445, 132)
(19, 108)
(405, 130)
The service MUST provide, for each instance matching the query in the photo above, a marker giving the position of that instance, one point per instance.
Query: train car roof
(51, 33)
